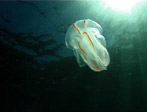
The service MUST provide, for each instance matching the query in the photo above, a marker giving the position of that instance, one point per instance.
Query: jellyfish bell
(88, 44)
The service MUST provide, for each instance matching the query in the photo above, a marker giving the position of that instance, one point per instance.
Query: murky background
(39, 74)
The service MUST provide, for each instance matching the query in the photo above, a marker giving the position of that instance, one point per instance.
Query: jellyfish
(85, 39)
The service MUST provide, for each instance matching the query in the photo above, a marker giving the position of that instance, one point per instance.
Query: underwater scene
(73, 55)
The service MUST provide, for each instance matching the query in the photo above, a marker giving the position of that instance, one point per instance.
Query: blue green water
(39, 74)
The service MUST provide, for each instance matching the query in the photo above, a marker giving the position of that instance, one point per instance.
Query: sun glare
(121, 5)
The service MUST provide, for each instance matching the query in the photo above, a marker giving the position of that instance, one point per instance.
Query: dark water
(39, 74)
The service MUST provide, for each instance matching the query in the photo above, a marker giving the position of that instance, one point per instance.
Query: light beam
(121, 5)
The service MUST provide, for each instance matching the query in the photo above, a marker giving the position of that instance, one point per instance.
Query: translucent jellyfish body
(85, 38)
